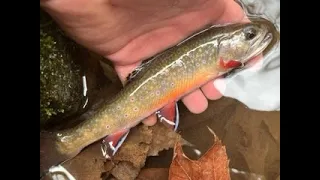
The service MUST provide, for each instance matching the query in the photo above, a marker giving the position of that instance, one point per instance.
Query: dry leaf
(213, 165)
(153, 174)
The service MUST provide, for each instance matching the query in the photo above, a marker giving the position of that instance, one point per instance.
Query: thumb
(124, 71)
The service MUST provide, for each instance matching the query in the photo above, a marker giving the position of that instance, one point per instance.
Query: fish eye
(250, 33)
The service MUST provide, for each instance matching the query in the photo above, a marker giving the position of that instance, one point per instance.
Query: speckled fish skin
(168, 77)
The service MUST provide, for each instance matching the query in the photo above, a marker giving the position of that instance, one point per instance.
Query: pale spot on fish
(107, 126)
(135, 109)
(158, 93)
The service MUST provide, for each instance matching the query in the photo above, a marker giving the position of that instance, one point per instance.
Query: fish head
(242, 42)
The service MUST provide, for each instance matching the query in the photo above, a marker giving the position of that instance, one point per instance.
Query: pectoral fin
(169, 115)
(112, 143)
(229, 64)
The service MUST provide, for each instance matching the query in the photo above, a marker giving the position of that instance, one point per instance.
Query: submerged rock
(61, 88)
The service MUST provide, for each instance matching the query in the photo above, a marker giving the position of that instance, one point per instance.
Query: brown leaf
(242, 129)
(88, 165)
(125, 171)
(153, 174)
(163, 138)
(142, 141)
(213, 165)
(131, 156)
(136, 147)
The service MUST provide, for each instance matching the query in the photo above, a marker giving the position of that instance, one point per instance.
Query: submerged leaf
(142, 141)
(213, 165)
(163, 138)
(125, 171)
(88, 165)
(135, 147)
(153, 174)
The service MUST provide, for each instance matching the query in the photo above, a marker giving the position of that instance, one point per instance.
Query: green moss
(60, 76)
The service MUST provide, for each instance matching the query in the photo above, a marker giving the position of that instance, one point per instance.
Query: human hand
(129, 31)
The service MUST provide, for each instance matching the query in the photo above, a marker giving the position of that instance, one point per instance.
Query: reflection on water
(269, 9)
(269, 73)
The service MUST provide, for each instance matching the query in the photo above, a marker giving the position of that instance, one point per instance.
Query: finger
(124, 71)
(232, 14)
(150, 121)
(210, 91)
(196, 102)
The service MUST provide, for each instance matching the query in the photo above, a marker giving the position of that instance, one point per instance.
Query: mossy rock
(61, 88)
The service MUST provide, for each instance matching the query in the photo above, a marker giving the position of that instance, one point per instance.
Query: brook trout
(157, 85)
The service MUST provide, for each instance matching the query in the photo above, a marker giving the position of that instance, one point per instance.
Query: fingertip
(124, 71)
(150, 121)
(210, 91)
(196, 102)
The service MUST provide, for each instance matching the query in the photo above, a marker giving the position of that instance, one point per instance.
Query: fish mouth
(264, 43)
(261, 44)
(267, 38)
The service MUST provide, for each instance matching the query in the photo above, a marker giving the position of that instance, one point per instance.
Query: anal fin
(113, 142)
(169, 115)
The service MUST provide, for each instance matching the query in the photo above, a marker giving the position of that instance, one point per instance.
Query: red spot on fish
(229, 64)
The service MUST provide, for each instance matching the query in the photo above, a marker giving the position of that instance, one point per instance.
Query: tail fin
(49, 155)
